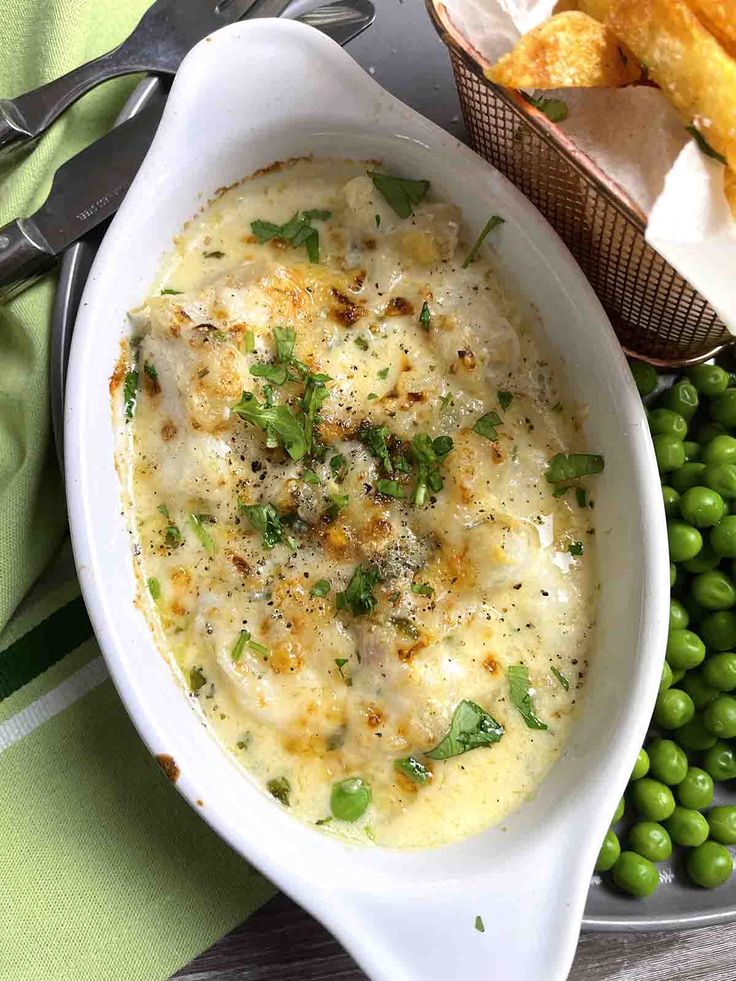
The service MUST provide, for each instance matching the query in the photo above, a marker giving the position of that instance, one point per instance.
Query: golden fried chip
(729, 186)
(570, 50)
(693, 70)
(719, 16)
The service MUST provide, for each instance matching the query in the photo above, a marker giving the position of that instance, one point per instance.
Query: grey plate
(404, 54)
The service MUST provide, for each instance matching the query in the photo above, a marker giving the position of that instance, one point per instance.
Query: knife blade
(90, 186)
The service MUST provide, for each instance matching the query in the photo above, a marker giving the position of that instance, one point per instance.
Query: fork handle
(24, 119)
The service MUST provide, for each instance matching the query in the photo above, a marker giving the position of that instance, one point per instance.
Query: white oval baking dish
(245, 97)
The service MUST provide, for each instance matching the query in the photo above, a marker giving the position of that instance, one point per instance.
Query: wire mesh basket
(657, 315)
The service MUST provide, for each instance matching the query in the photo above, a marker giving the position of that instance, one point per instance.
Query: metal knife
(90, 186)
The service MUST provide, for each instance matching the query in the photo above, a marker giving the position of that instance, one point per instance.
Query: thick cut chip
(693, 70)
(719, 16)
(729, 186)
(570, 50)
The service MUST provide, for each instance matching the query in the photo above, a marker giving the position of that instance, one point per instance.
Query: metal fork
(158, 44)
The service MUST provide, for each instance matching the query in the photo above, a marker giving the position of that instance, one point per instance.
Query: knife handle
(24, 257)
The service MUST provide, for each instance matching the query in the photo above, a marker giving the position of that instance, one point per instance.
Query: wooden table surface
(283, 943)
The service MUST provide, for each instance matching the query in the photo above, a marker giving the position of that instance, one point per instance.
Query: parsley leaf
(374, 439)
(150, 370)
(581, 496)
(561, 678)
(383, 374)
(518, 676)
(197, 521)
(249, 342)
(317, 214)
(245, 640)
(470, 728)
(196, 679)
(358, 594)
(399, 192)
(154, 588)
(337, 462)
(341, 662)
(391, 488)
(504, 399)
(414, 769)
(422, 588)
(425, 317)
(563, 467)
(492, 222)
(321, 588)
(265, 519)
(285, 340)
(427, 455)
(315, 393)
(277, 374)
(280, 788)
(274, 419)
(486, 426)
(171, 292)
(554, 109)
(479, 925)
(575, 548)
(362, 343)
(339, 503)
(130, 394)
(297, 231)
(172, 535)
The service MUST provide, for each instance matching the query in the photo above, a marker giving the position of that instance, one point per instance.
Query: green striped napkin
(106, 872)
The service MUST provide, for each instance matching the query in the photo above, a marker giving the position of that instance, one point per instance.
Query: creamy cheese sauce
(474, 568)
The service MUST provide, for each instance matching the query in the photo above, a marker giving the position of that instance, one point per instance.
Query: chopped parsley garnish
(446, 400)
(486, 426)
(311, 478)
(422, 588)
(358, 594)
(150, 370)
(428, 454)
(362, 343)
(518, 677)
(130, 393)
(383, 374)
(172, 534)
(154, 588)
(407, 628)
(554, 109)
(277, 374)
(391, 488)
(214, 255)
(298, 230)
(561, 678)
(245, 640)
(171, 292)
(400, 193)
(339, 503)
(285, 341)
(315, 392)
(196, 679)
(321, 588)
(492, 223)
(276, 420)
(479, 925)
(414, 769)
(704, 146)
(198, 521)
(337, 462)
(318, 214)
(341, 662)
(374, 439)
(264, 518)
(504, 399)
(470, 728)
(372, 396)
(575, 548)
(249, 342)
(425, 317)
(564, 467)
(581, 496)
(280, 788)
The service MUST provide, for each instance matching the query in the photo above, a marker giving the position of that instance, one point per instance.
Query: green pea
(652, 799)
(708, 379)
(702, 507)
(679, 617)
(722, 408)
(666, 679)
(619, 812)
(707, 431)
(718, 630)
(689, 475)
(719, 761)
(673, 709)
(720, 716)
(720, 477)
(683, 398)
(671, 502)
(663, 422)
(641, 767)
(714, 590)
(350, 799)
(684, 649)
(635, 874)
(648, 838)
(722, 824)
(692, 451)
(677, 673)
(645, 377)
(694, 736)
(685, 541)
(667, 761)
(710, 864)
(721, 449)
(610, 851)
(687, 827)
(719, 671)
(669, 451)
(723, 537)
(698, 689)
(696, 789)
(704, 561)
